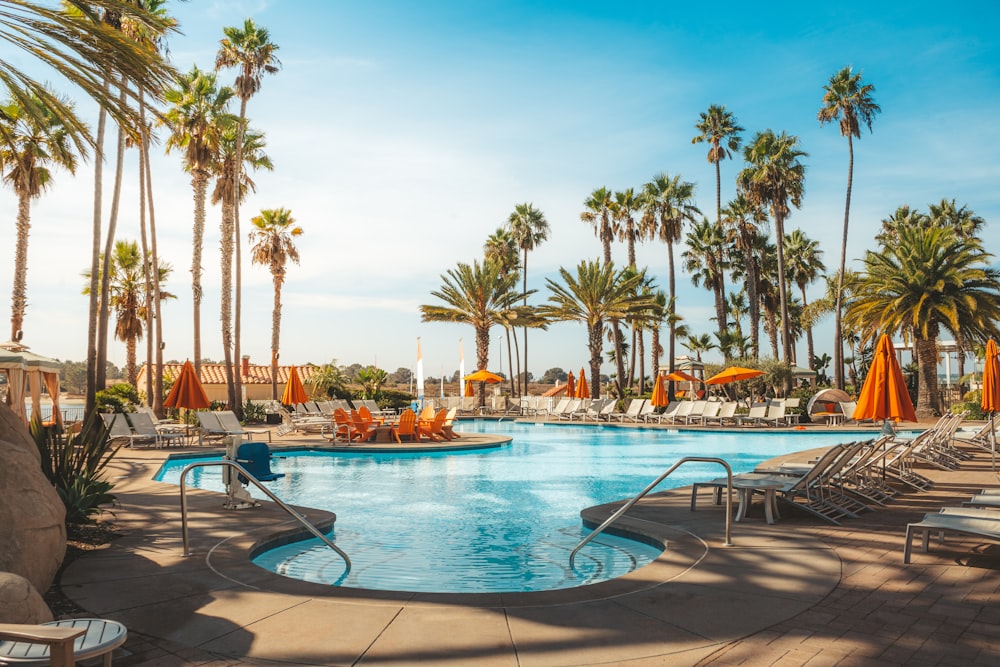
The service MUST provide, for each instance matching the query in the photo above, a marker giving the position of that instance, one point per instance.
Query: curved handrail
(624, 508)
(280, 503)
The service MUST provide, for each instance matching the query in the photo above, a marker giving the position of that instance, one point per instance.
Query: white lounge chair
(632, 412)
(975, 526)
(710, 411)
(143, 425)
(678, 415)
(753, 417)
(775, 416)
(727, 415)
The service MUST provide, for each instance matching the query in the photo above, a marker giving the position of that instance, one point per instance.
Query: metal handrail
(280, 503)
(624, 508)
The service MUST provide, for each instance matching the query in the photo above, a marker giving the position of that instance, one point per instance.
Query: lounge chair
(694, 414)
(558, 409)
(727, 415)
(143, 425)
(604, 414)
(573, 406)
(449, 423)
(232, 426)
(757, 412)
(709, 411)
(792, 417)
(434, 428)
(775, 416)
(975, 526)
(119, 432)
(679, 414)
(659, 416)
(591, 410)
(632, 412)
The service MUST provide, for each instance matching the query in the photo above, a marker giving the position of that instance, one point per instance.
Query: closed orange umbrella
(991, 391)
(187, 391)
(469, 389)
(570, 385)
(294, 391)
(659, 398)
(884, 394)
(582, 390)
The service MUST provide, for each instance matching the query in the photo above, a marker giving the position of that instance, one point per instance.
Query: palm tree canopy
(254, 157)
(34, 139)
(598, 214)
(774, 176)
(198, 118)
(528, 226)
(476, 294)
(274, 236)
(719, 128)
(84, 44)
(501, 247)
(250, 49)
(803, 258)
(667, 202)
(848, 100)
(596, 293)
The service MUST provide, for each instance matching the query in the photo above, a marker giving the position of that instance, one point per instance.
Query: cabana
(26, 373)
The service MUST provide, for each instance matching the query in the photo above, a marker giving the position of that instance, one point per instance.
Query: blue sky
(403, 134)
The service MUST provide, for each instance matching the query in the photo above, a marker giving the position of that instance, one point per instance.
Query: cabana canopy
(26, 373)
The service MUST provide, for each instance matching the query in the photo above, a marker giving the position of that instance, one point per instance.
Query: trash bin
(273, 418)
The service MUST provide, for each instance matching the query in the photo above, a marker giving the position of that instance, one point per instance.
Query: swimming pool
(490, 520)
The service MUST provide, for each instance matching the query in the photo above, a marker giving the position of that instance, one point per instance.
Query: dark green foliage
(390, 398)
(74, 463)
(254, 413)
(117, 398)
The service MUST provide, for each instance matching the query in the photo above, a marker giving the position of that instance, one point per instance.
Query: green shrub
(74, 464)
(254, 413)
(392, 399)
(117, 398)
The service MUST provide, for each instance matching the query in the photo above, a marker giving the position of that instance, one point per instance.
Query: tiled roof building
(256, 379)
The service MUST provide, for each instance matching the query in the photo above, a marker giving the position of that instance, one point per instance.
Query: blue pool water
(490, 520)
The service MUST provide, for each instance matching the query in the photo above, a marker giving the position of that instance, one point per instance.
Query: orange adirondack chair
(407, 427)
(449, 421)
(344, 430)
(366, 415)
(362, 430)
(434, 429)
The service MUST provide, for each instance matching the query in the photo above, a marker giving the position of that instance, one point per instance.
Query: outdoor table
(98, 637)
(745, 488)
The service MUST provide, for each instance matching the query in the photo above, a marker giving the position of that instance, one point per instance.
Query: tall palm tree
(775, 178)
(596, 294)
(476, 294)
(529, 228)
(667, 202)
(848, 100)
(274, 235)
(742, 220)
(197, 119)
(251, 51)
(698, 344)
(598, 214)
(705, 260)
(720, 130)
(929, 279)
(963, 220)
(128, 299)
(804, 264)
(657, 315)
(501, 247)
(623, 209)
(35, 142)
(224, 193)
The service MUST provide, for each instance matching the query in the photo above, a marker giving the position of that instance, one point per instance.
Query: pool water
(493, 520)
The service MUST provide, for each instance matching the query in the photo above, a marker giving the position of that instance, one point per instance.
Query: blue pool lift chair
(256, 458)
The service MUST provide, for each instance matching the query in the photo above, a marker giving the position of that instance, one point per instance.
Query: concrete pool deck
(797, 592)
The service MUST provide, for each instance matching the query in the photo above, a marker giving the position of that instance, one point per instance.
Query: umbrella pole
(993, 443)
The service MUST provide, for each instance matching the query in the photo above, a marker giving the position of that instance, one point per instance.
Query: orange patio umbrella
(884, 394)
(570, 385)
(734, 374)
(582, 390)
(294, 391)
(991, 392)
(483, 376)
(187, 391)
(659, 398)
(469, 389)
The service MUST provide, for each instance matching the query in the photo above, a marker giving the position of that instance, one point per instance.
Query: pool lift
(255, 457)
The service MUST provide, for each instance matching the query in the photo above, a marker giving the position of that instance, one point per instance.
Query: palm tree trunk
(275, 334)
(719, 289)
(510, 359)
(753, 299)
(594, 337)
(19, 299)
(642, 362)
(671, 319)
(838, 327)
(131, 370)
(109, 244)
(155, 306)
(199, 184)
(226, 234)
(95, 254)
(517, 353)
(631, 360)
(654, 342)
(147, 278)
(618, 339)
(928, 401)
(238, 277)
(786, 343)
(809, 332)
(524, 391)
(482, 358)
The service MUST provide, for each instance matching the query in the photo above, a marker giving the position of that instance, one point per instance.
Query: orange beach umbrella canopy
(187, 391)
(884, 394)
(483, 376)
(734, 374)
(991, 378)
(680, 376)
(294, 391)
(582, 390)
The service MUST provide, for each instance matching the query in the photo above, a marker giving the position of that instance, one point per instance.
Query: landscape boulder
(20, 602)
(32, 517)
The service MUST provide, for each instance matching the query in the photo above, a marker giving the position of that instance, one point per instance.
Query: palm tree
(255, 158)
(667, 202)
(251, 51)
(848, 100)
(736, 306)
(274, 234)
(743, 221)
(964, 221)
(596, 294)
(476, 294)
(128, 299)
(705, 261)
(623, 209)
(198, 120)
(929, 279)
(698, 344)
(775, 178)
(598, 214)
(529, 228)
(719, 129)
(657, 315)
(804, 265)
(35, 141)
(500, 247)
